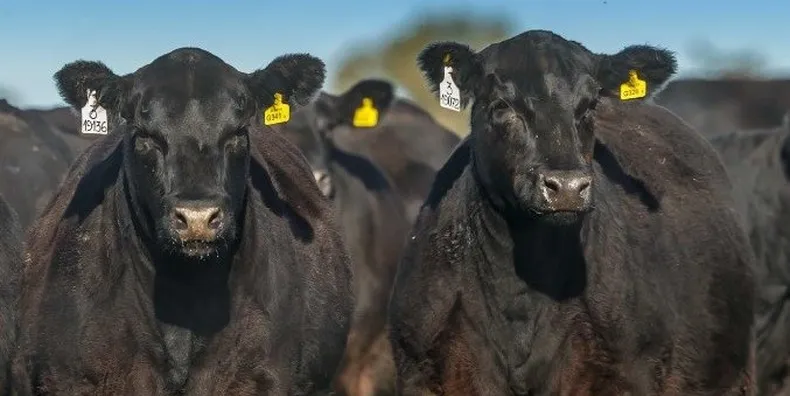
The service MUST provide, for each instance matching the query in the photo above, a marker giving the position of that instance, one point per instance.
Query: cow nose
(324, 182)
(197, 223)
(565, 190)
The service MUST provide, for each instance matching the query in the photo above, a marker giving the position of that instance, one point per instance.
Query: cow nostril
(215, 219)
(552, 184)
(584, 185)
(180, 220)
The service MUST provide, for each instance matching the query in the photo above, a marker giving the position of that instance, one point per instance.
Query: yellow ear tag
(366, 116)
(278, 113)
(634, 88)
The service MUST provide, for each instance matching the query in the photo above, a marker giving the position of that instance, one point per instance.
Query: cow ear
(75, 79)
(466, 69)
(366, 96)
(652, 65)
(297, 77)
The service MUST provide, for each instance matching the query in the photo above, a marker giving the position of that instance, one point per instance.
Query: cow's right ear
(466, 69)
(75, 79)
(296, 77)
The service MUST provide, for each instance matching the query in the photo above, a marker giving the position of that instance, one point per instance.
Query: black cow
(572, 244)
(189, 251)
(373, 220)
(758, 162)
(10, 270)
(715, 105)
(406, 143)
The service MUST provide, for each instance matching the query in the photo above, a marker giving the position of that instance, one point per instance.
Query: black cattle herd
(192, 229)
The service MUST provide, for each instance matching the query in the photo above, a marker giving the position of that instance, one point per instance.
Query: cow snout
(324, 182)
(565, 191)
(197, 223)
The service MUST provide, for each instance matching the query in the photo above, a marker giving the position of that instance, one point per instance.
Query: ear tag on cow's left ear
(94, 117)
(449, 94)
(634, 88)
(278, 112)
(366, 116)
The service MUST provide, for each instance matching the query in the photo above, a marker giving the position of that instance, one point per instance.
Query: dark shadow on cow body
(10, 274)
(374, 224)
(647, 292)
(112, 306)
(759, 168)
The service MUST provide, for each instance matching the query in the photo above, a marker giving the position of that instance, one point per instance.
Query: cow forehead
(191, 93)
(539, 63)
(184, 75)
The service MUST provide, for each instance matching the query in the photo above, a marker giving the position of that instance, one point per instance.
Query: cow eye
(238, 139)
(144, 142)
(498, 105)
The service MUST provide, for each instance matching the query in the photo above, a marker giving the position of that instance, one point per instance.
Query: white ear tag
(449, 95)
(94, 117)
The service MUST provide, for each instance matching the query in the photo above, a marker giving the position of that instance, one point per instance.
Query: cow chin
(195, 249)
(561, 218)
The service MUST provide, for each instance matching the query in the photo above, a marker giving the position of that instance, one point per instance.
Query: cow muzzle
(197, 223)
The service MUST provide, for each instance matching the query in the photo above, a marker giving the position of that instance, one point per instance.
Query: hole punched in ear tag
(94, 117)
(278, 113)
(366, 116)
(634, 88)
(449, 94)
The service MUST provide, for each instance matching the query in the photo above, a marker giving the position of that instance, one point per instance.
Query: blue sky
(40, 36)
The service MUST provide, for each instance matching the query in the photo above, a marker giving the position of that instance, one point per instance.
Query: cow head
(313, 127)
(532, 119)
(186, 120)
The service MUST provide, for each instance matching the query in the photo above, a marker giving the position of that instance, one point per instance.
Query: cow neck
(547, 258)
(187, 294)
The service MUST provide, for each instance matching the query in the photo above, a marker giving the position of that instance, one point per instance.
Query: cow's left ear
(297, 77)
(356, 106)
(652, 65)
(75, 79)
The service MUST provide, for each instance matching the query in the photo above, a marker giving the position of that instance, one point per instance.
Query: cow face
(535, 97)
(187, 121)
(313, 127)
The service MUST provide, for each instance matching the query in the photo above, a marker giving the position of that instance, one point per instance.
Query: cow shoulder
(81, 192)
(652, 145)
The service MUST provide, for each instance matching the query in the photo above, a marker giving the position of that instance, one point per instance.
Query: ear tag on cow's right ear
(366, 116)
(278, 112)
(634, 88)
(94, 117)
(449, 94)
